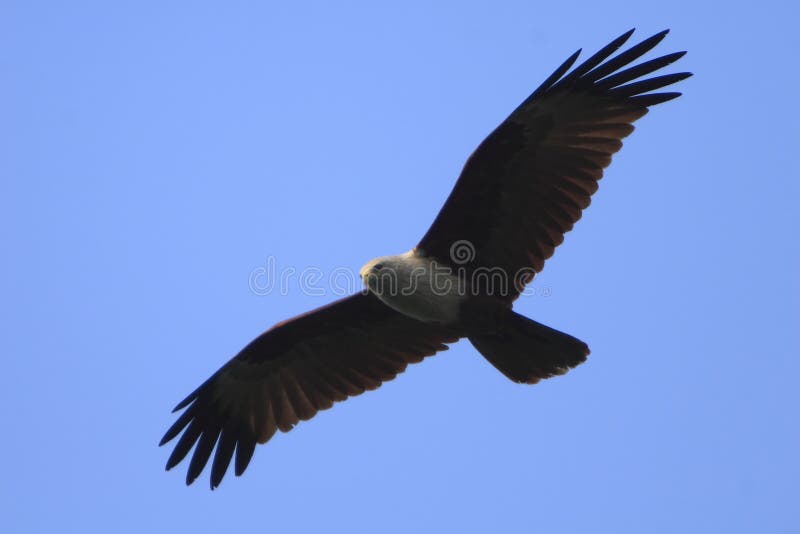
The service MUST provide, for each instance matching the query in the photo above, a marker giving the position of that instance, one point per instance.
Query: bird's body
(521, 190)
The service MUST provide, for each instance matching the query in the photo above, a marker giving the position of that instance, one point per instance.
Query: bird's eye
(378, 266)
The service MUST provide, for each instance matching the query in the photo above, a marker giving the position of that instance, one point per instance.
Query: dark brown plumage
(527, 183)
(292, 371)
(519, 192)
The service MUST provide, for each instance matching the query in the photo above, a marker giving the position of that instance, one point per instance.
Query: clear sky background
(155, 154)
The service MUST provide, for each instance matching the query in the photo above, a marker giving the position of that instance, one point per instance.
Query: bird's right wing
(292, 371)
(529, 180)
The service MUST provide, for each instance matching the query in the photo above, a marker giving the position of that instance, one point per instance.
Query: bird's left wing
(292, 371)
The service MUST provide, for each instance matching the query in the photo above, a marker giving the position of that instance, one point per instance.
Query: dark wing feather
(529, 180)
(291, 372)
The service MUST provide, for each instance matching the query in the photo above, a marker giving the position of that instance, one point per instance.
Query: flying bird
(519, 192)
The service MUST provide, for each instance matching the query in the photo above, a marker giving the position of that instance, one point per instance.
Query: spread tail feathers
(526, 351)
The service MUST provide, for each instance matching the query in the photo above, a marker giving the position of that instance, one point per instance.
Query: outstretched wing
(527, 183)
(292, 371)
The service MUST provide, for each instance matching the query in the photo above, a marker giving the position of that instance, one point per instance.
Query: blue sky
(154, 154)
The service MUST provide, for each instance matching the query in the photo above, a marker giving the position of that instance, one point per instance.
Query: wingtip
(659, 35)
(654, 99)
(657, 38)
(215, 479)
(238, 468)
(244, 453)
(191, 397)
(648, 44)
(182, 404)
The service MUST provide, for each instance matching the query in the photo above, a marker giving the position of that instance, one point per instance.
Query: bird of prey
(524, 187)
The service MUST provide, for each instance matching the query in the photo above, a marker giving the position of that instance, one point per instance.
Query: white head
(405, 283)
(380, 273)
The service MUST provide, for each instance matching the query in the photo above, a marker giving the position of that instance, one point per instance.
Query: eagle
(519, 192)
